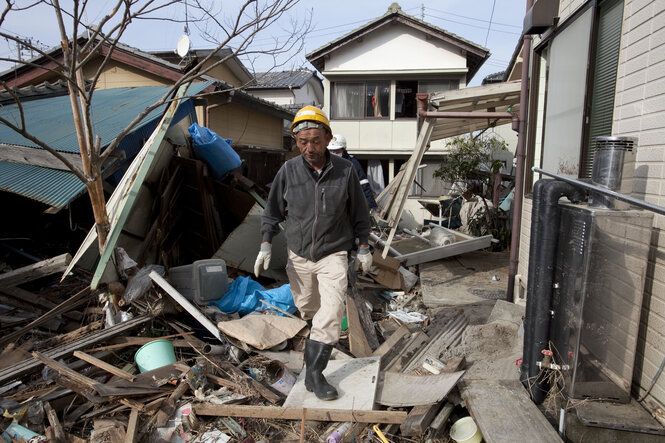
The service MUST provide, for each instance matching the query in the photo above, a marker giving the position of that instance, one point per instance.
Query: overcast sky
(494, 24)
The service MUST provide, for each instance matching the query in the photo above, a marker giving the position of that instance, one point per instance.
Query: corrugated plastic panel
(51, 121)
(50, 186)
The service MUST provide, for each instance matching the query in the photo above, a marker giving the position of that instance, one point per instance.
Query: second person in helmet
(337, 146)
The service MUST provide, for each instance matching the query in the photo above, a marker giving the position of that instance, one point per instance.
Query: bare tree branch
(85, 45)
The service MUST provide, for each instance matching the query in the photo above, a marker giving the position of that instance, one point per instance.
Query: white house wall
(393, 47)
(277, 96)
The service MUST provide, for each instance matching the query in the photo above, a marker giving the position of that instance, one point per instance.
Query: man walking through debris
(320, 197)
(337, 146)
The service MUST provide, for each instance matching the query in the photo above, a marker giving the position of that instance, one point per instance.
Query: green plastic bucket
(155, 354)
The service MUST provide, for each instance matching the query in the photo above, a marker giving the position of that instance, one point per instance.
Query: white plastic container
(465, 430)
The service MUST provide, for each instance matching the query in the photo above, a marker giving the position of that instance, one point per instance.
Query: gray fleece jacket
(324, 214)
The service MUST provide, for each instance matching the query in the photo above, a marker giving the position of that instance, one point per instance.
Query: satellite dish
(182, 48)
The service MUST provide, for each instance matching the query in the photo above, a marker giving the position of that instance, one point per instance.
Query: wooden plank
(397, 362)
(35, 270)
(402, 194)
(56, 426)
(73, 335)
(487, 402)
(392, 344)
(65, 306)
(132, 426)
(66, 371)
(84, 392)
(365, 317)
(123, 342)
(358, 344)
(274, 412)
(439, 252)
(103, 365)
(27, 296)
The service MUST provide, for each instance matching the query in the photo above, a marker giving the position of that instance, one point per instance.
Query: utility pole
(422, 11)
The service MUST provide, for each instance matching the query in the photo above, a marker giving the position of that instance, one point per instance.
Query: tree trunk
(102, 224)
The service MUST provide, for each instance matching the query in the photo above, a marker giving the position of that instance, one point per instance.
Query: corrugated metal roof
(49, 186)
(51, 121)
(282, 79)
(113, 110)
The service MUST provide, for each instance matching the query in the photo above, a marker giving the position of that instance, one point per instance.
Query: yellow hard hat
(311, 114)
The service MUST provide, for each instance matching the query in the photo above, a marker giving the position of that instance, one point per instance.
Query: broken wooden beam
(101, 364)
(62, 369)
(35, 270)
(275, 412)
(56, 426)
(358, 344)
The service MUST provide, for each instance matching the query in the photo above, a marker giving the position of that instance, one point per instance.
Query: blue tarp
(244, 295)
(214, 150)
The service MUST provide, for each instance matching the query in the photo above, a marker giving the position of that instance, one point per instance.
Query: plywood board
(504, 412)
(355, 380)
(411, 390)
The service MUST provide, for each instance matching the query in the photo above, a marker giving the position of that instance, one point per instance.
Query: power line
(475, 19)
(489, 26)
(470, 25)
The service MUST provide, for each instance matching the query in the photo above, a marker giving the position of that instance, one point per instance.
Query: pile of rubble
(137, 360)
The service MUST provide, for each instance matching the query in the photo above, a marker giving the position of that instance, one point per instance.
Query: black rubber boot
(317, 355)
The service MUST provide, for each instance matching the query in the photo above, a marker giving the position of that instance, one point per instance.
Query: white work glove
(263, 258)
(365, 259)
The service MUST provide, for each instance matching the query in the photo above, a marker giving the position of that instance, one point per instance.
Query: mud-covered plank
(504, 412)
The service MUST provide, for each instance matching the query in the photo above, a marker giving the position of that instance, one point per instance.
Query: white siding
(396, 47)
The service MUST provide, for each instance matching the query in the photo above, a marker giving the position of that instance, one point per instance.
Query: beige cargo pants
(318, 291)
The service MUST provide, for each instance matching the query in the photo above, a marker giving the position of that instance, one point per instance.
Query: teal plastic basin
(155, 354)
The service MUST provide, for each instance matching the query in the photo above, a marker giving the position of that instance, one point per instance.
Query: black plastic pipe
(545, 219)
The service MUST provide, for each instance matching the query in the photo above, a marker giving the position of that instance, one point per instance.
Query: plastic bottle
(338, 433)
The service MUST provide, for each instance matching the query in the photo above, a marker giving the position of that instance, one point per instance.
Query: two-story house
(371, 78)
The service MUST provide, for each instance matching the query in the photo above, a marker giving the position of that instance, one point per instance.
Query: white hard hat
(338, 142)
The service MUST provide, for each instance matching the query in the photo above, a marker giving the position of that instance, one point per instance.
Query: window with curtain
(358, 100)
(347, 100)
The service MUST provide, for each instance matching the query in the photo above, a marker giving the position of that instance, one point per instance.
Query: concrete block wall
(640, 112)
